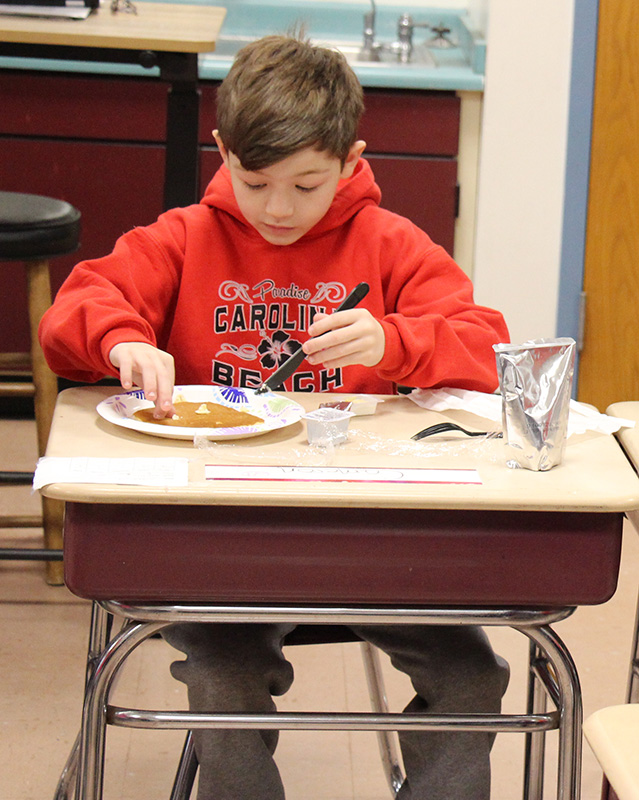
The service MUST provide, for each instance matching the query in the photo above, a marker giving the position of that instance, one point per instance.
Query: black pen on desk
(291, 364)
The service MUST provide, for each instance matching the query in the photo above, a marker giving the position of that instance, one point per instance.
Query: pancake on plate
(200, 415)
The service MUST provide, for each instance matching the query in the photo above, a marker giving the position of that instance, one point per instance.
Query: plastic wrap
(483, 449)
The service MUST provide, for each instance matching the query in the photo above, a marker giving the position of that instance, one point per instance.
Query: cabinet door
(98, 107)
(114, 186)
(411, 121)
(422, 189)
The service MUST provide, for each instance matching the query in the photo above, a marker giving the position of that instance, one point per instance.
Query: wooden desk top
(157, 26)
(595, 475)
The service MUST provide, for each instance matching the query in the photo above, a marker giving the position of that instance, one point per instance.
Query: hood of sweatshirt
(352, 195)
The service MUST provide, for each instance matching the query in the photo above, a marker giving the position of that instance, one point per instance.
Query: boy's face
(284, 201)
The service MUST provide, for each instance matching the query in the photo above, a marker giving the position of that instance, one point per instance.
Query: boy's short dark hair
(283, 94)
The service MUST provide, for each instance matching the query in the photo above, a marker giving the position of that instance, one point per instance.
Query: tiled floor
(42, 648)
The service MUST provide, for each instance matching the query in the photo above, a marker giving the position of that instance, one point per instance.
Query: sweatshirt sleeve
(436, 335)
(126, 296)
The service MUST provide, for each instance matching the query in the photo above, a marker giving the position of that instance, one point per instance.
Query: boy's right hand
(151, 369)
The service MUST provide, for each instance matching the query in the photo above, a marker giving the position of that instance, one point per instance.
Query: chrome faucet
(402, 48)
(370, 49)
(405, 29)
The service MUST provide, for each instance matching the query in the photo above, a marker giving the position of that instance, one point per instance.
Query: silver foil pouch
(535, 379)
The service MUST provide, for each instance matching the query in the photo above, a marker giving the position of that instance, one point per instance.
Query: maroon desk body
(346, 555)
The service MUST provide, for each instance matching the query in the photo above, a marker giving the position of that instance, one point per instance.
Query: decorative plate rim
(280, 411)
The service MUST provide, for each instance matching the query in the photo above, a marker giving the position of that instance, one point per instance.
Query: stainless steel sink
(228, 45)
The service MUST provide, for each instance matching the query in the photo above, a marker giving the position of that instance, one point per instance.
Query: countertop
(337, 24)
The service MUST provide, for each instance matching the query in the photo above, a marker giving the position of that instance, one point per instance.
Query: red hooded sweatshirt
(202, 284)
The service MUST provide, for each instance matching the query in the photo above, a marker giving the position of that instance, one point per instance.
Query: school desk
(384, 530)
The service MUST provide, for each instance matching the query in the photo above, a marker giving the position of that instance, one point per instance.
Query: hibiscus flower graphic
(277, 349)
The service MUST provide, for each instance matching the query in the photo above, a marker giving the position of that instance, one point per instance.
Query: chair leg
(385, 739)
(186, 772)
(632, 693)
(46, 392)
(65, 790)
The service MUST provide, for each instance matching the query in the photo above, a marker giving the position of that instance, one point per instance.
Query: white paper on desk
(122, 471)
(582, 417)
(340, 474)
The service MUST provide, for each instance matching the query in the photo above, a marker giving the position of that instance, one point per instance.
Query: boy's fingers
(151, 369)
(126, 376)
(328, 322)
(164, 402)
(331, 332)
(356, 339)
(345, 352)
(149, 384)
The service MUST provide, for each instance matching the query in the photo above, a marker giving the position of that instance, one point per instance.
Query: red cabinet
(98, 142)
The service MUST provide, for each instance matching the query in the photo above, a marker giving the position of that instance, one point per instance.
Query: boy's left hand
(345, 337)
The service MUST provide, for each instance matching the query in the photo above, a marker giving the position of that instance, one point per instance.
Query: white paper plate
(276, 411)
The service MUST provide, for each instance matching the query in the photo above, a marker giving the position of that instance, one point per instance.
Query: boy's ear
(352, 158)
(220, 144)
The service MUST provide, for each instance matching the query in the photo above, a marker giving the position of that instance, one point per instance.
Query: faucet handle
(406, 22)
(405, 27)
(441, 39)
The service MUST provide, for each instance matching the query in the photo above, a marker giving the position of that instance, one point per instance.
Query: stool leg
(46, 392)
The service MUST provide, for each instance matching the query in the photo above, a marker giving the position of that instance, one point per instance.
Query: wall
(523, 163)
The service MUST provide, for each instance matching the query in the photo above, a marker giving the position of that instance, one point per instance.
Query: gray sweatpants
(239, 668)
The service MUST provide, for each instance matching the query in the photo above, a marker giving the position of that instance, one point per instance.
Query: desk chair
(613, 735)
(613, 732)
(632, 691)
(266, 572)
(34, 229)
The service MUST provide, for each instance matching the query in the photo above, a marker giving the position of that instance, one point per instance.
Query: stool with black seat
(34, 229)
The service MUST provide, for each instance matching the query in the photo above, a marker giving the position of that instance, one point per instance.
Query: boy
(223, 292)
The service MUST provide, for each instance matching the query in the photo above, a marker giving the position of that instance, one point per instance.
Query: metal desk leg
(567, 681)
(99, 634)
(92, 738)
(535, 742)
(181, 176)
